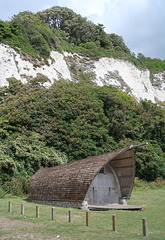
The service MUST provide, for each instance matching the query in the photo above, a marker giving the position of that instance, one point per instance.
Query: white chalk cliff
(105, 71)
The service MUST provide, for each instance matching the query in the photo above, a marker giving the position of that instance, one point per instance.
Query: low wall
(79, 205)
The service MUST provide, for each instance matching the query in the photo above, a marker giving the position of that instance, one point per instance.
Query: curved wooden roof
(71, 181)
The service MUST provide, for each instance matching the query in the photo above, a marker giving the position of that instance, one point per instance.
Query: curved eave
(124, 167)
(123, 164)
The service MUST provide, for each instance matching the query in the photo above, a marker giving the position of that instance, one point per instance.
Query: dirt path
(12, 230)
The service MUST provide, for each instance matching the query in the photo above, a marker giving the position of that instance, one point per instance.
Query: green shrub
(17, 186)
(150, 163)
(143, 184)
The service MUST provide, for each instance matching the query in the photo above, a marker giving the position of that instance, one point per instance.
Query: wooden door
(104, 188)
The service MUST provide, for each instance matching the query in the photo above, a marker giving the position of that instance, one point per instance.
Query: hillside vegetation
(60, 28)
(42, 127)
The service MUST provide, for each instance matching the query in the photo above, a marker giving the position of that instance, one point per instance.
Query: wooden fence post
(145, 230)
(22, 208)
(70, 215)
(53, 213)
(37, 211)
(114, 222)
(87, 218)
(10, 207)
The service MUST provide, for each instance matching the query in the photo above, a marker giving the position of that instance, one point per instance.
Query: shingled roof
(71, 181)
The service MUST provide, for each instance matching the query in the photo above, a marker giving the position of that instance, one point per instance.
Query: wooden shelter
(99, 180)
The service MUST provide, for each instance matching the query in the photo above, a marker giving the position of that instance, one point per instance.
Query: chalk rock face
(12, 64)
(127, 77)
(105, 71)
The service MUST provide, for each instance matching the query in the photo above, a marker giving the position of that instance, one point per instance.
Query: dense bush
(27, 32)
(40, 126)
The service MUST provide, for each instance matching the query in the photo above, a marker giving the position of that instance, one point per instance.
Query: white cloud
(136, 5)
(89, 7)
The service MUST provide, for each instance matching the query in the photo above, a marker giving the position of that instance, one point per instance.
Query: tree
(78, 29)
(118, 43)
(150, 163)
(57, 17)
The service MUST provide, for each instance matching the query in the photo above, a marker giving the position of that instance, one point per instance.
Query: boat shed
(94, 181)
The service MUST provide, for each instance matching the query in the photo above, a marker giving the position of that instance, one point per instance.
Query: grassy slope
(15, 226)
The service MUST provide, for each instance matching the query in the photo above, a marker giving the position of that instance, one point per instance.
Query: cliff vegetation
(43, 127)
(59, 28)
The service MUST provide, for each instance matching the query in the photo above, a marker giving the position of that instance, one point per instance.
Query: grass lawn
(129, 223)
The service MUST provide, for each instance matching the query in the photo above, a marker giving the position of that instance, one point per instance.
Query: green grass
(129, 223)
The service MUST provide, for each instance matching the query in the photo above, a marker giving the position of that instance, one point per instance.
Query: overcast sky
(139, 22)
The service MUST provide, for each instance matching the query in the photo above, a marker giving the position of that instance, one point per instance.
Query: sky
(139, 22)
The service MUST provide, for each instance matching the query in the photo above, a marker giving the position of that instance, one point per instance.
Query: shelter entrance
(104, 189)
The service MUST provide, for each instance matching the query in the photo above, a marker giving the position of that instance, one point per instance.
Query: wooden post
(87, 218)
(37, 211)
(53, 213)
(22, 209)
(10, 206)
(145, 230)
(114, 222)
(70, 215)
